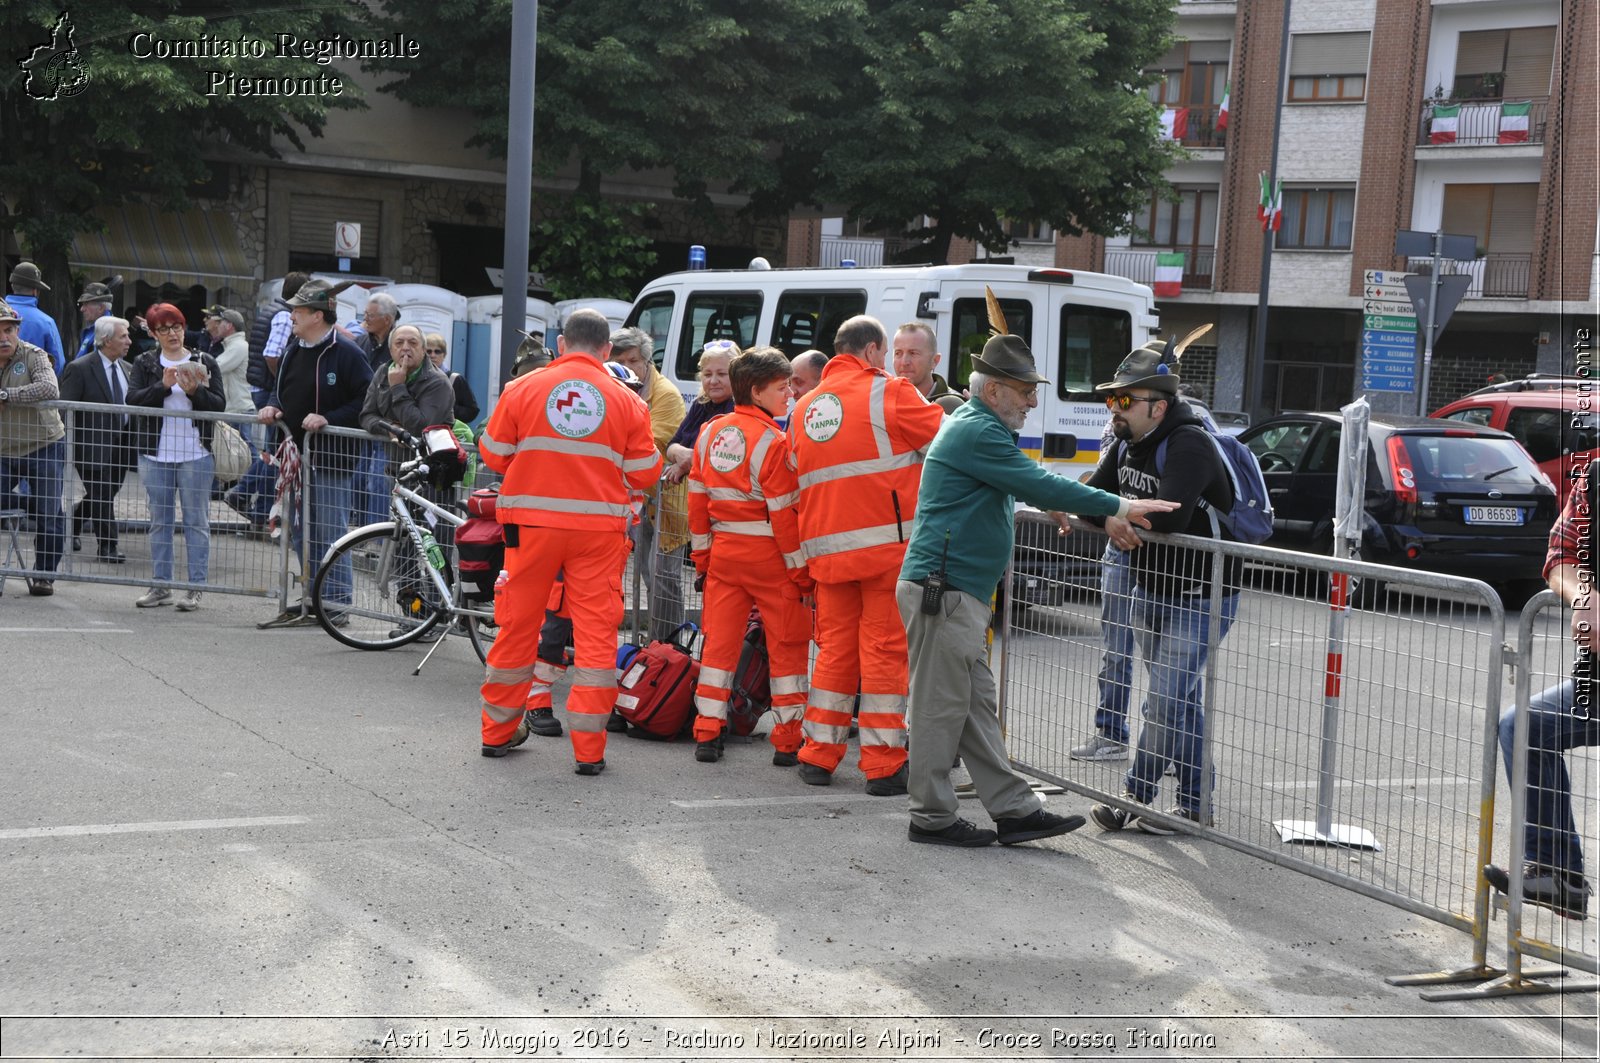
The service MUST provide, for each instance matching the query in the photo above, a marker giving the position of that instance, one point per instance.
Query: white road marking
(767, 802)
(154, 827)
(66, 630)
(1384, 784)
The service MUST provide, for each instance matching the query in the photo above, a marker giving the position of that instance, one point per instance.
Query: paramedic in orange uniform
(858, 450)
(571, 442)
(745, 533)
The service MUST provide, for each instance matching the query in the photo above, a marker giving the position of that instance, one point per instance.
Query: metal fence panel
(1420, 682)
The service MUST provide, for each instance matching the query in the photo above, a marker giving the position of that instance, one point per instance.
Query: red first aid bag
(655, 689)
(751, 695)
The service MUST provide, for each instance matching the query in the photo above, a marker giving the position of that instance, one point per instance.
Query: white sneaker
(1099, 748)
(189, 602)
(153, 597)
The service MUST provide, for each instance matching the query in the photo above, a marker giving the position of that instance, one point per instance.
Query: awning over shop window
(158, 247)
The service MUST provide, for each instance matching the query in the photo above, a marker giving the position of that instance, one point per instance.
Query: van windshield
(1094, 341)
(715, 316)
(808, 320)
(971, 332)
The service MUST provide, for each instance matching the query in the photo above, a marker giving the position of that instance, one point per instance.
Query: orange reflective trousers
(861, 644)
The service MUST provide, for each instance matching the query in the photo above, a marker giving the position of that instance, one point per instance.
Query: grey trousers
(953, 706)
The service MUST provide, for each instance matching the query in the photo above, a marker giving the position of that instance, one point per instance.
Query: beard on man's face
(1121, 429)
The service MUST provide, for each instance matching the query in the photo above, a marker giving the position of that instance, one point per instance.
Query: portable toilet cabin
(485, 314)
(351, 302)
(615, 310)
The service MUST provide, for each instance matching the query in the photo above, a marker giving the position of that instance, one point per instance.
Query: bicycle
(403, 585)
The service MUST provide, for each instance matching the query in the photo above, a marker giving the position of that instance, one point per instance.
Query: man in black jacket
(322, 381)
(101, 451)
(1163, 451)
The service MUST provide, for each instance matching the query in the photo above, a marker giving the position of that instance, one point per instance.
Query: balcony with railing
(1139, 264)
(862, 250)
(1196, 127)
(1497, 275)
(1483, 122)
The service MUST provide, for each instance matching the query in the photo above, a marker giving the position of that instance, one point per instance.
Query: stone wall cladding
(1255, 86)
(1564, 228)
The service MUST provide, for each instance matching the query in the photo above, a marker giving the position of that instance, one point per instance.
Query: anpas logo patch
(824, 416)
(728, 450)
(575, 408)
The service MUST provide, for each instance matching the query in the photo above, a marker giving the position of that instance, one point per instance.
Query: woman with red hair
(174, 451)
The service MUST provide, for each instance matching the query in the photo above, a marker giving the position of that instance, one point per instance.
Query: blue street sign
(1393, 339)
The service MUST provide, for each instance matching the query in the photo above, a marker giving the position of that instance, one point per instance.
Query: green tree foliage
(976, 111)
(704, 88)
(593, 250)
(140, 128)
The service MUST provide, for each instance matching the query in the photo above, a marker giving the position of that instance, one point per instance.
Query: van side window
(715, 316)
(807, 320)
(971, 331)
(654, 315)
(1094, 341)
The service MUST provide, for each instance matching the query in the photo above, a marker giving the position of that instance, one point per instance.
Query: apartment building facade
(1474, 117)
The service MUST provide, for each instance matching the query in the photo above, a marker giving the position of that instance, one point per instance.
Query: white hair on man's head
(104, 326)
(978, 381)
(384, 303)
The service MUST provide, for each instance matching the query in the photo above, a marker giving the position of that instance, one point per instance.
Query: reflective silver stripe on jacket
(494, 446)
(699, 542)
(758, 458)
(794, 560)
(639, 464)
(783, 501)
(697, 488)
(864, 467)
(875, 414)
(575, 447)
(840, 542)
(730, 494)
(565, 505)
(742, 527)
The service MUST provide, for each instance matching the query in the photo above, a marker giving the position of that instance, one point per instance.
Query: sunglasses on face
(1122, 402)
(435, 350)
(168, 327)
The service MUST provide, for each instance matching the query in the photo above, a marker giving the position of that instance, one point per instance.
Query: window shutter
(311, 221)
(1511, 220)
(1208, 51)
(1466, 210)
(1481, 52)
(1329, 53)
(1529, 56)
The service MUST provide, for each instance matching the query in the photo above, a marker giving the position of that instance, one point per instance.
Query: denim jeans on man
(186, 484)
(372, 483)
(43, 470)
(1555, 725)
(330, 495)
(1116, 633)
(1173, 637)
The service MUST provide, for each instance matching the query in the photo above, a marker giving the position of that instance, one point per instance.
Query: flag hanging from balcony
(1169, 275)
(1222, 108)
(1174, 123)
(1514, 122)
(1442, 126)
(1271, 209)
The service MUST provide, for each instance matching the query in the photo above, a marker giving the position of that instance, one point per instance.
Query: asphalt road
(219, 842)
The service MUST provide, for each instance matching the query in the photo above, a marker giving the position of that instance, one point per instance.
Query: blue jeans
(43, 470)
(330, 496)
(1555, 725)
(1116, 632)
(185, 483)
(371, 483)
(1172, 635)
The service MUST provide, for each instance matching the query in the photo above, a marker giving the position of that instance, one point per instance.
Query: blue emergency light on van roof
(1057, 276)
(847, 263)
(697, 256)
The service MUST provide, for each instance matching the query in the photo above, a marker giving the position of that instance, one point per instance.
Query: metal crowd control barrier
(106, 509)
(1542, 661)
(1405, 750)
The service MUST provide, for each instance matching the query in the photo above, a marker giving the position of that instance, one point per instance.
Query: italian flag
(1222, 108)
(1442, 127)
(1174, 123)
(1514, 122)
(1271, 209)
(1169, 275)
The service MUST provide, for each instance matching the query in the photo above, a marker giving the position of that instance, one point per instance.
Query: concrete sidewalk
(205, 821)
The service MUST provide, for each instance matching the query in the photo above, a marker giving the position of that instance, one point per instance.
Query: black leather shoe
(111, 556)
(591, 768)
(780, 759)
(41, 588)
(616, 724)
(1032, 827)
(960, 834)
(77, 544)
(708, 752)
(543, 723)
(812, 775)
(890, 785)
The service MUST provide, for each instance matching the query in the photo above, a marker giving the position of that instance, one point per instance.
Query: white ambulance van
(1079, 325)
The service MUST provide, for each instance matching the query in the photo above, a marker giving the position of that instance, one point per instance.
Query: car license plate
(1494, 515)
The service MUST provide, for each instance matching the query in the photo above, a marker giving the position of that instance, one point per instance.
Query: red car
(1552, 417)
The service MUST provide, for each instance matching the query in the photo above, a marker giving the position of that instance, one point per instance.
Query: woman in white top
(174, 451)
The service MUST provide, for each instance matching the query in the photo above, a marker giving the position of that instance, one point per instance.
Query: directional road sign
(1395, 322)
(1384, 276)
(1399, 307)
(1388, 360)
(1385, 291)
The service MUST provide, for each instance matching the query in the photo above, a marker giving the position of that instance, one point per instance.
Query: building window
(1328, 67)
(1190, 222)
(1193, 78)
(1504, 64)
(1317, 219)
(1029, 232)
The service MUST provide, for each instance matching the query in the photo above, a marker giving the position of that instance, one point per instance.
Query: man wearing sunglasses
(1162, 452)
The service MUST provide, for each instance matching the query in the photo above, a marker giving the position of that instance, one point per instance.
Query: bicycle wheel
(393, 600)
(482, 633)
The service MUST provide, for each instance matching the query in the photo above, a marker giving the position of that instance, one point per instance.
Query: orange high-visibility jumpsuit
(745, 538)
(859, 457)
(572, 442)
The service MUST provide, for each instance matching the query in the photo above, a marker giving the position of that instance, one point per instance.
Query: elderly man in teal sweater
(959, 546)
